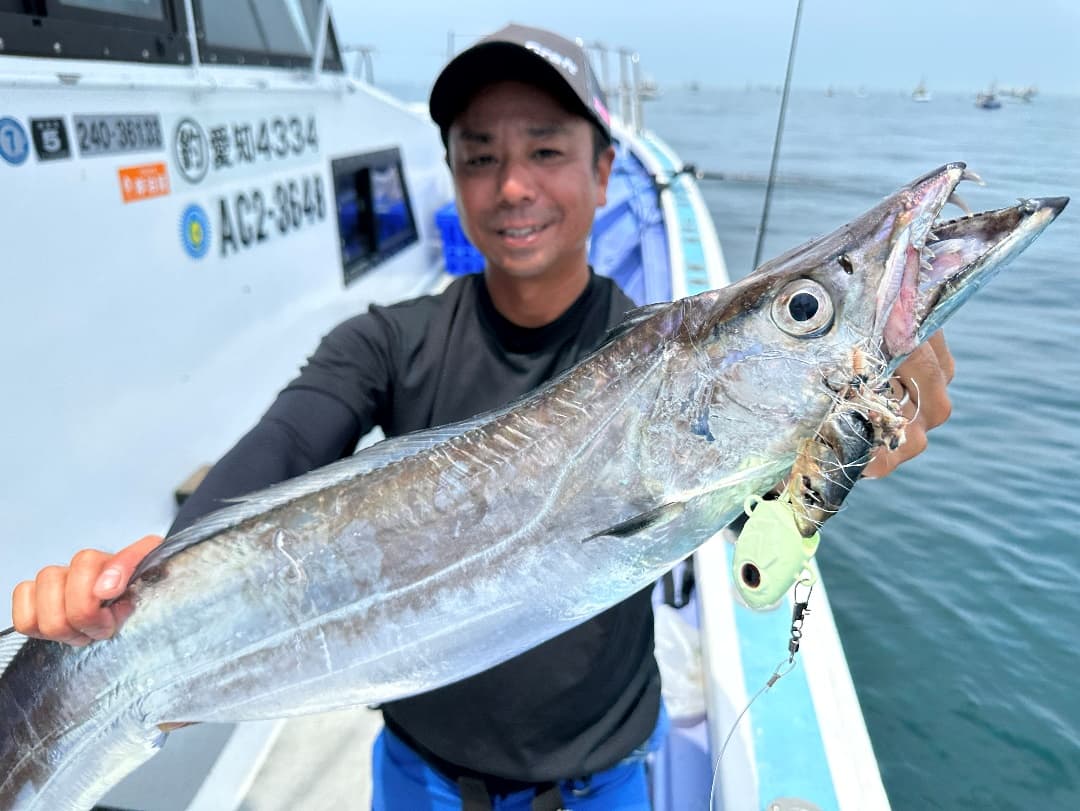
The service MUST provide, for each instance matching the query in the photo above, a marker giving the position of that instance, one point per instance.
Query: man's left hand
(923, 377)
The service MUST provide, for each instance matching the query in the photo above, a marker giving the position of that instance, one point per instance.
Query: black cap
(524, 54)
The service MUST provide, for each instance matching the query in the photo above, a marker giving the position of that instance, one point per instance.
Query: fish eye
(804, 309)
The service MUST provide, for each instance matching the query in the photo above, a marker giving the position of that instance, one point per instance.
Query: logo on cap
(601, 110)
(554, 57)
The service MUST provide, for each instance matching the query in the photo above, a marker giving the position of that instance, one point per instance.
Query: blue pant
(402, 781)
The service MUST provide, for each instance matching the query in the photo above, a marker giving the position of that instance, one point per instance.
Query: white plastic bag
(678, 652)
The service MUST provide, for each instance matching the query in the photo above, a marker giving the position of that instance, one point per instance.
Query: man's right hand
(64, 602)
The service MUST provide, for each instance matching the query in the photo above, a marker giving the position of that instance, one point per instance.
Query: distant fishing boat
(1023, 94)
(648, 89)
(921, 93)
(987, 101)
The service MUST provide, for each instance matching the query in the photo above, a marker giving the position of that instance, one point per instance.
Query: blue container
(460, 255)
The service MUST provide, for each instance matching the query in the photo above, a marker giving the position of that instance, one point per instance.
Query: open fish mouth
(967, 252)
(934, 265)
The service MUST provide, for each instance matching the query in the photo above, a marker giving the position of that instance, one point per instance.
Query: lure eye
(751, 576)
(804, 309)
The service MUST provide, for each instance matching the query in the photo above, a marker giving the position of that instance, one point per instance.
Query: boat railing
(364, 67)
(321, 32)
(631, 90)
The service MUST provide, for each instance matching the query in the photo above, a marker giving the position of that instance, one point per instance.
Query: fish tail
(49, 761)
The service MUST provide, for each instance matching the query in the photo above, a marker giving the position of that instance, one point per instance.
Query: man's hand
(923, 377)
(64, 602)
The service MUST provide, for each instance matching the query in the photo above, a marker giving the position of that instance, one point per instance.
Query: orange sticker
(143, 182)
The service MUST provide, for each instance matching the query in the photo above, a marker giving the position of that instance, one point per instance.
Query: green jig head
(771, 555)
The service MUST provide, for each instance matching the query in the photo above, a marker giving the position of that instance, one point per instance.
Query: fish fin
(646, 520)
(11, 643)
(631, 320)
(365, 461)
(173, 725)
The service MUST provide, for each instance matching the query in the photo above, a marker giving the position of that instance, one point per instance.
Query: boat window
(150, 9)
(149, 31)
(374, 216)
(262, 32)
(281, 33)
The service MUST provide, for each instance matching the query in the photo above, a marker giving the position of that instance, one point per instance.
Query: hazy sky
(961, 45)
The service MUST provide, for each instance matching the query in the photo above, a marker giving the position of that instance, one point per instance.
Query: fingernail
(108, 581)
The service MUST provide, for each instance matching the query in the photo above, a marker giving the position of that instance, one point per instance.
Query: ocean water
(954, 581)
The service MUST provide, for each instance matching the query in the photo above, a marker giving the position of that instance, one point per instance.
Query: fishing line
(779, 135)
(777, 674)
(805, 181)
(783, 667)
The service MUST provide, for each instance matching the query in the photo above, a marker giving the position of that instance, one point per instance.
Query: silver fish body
(436, 555)
(398, 580)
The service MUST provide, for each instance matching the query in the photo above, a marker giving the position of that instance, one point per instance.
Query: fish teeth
(968, 174)
(926, 257)
(958, 201)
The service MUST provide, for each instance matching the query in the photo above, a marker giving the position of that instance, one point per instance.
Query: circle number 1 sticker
(14, 145)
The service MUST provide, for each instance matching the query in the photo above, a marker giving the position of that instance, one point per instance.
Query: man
(565, 724)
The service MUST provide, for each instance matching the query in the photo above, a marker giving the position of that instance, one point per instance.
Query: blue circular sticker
(195, 231)
(14, 145)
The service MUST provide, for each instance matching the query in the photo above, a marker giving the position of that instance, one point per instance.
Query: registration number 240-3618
(250, 217)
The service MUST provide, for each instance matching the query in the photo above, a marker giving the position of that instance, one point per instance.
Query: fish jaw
(971, 250)
(909, 216)
(933, 267)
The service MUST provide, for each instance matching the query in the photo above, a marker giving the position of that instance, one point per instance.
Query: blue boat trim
(694, 270)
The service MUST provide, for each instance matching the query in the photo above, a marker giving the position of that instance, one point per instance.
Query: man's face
(526, 179)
